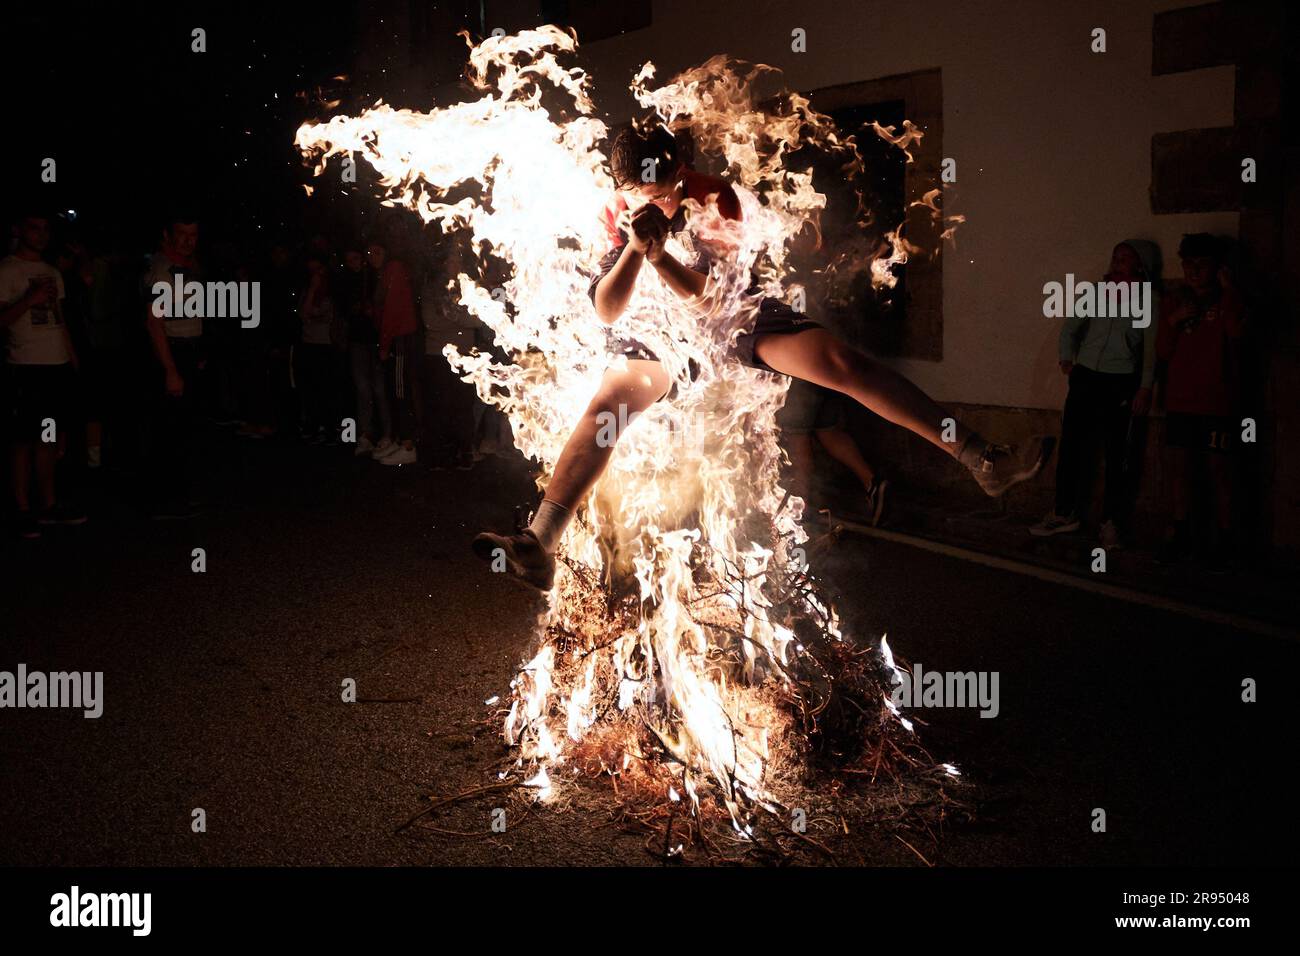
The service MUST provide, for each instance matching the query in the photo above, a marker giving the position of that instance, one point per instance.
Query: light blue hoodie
(1112, 345)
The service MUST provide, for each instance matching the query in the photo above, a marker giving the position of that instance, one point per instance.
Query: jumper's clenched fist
(647, 227)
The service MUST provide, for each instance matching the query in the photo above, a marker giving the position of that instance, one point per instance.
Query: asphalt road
(223, 690)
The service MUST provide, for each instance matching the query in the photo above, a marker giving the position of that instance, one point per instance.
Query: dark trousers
(403, 370)
(1097, 410)
(173, 469)
(319, 383)
(449, 409)
(374, 416)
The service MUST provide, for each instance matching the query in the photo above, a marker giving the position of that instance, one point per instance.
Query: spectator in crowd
(315, 360)
(449, 402)
(400, 348)
(811, 410)
(1199, 340)
(40, 375)
(1111, 368)
(355, 293)
(177, 341)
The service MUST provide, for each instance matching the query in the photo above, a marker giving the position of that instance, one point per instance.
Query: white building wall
(1052, 142)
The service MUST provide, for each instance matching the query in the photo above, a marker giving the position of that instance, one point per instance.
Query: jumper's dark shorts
(1212, 433)
(810, 408)
(774, 318)
(34, 393)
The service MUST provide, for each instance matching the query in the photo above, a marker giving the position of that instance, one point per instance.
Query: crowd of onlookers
(1192, 352)
(346, 348)
(1188, 360)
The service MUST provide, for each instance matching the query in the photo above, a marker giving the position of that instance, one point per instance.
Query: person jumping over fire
(653, 183)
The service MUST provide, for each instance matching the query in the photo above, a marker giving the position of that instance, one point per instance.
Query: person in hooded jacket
(1111, 367)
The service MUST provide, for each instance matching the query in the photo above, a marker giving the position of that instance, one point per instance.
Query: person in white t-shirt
(317, 359)
(40, 374)
(177, 342)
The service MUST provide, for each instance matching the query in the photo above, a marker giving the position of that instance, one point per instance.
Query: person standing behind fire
(1111, 367)
(399, 350)
(1201, 328)
(450, 402)
(314, 358)
(354, 294)
(177, 342)
(811, 411)
(40, 378)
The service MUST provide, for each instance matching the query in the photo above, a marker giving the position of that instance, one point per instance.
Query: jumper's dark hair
(1197, 244)
(642, 153)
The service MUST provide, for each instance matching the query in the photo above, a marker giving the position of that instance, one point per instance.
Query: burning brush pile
(686, 649)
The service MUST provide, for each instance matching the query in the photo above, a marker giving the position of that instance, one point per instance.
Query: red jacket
(394, 305)
(1202, 357)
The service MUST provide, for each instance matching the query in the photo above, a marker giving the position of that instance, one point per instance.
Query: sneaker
(524, 556)
(364, 447)
(1109, 537)
(876, 500)
(27, 526)
(385, 448)
(62, 514)
(1002, 467)
(1055, 524)
(401, 456)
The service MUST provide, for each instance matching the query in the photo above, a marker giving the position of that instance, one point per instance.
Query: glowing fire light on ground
(685, 643)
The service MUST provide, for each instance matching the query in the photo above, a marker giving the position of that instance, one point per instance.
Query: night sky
(139, 124)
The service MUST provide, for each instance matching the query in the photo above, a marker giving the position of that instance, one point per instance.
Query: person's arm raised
(615, 290)
(646, 226)
(682, 279)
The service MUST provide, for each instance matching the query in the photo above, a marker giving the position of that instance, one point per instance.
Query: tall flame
(672, 623)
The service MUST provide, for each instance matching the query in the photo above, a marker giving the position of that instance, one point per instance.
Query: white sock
(549, 524)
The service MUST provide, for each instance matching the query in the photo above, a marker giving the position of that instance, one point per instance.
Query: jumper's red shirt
(696, 186)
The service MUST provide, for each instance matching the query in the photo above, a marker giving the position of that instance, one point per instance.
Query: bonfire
(687, 650)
